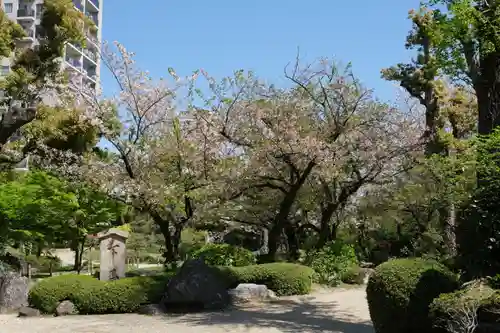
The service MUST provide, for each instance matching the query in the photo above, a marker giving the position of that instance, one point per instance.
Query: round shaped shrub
(284, 279)
(48, 293)
(225, 255)
(400, 291)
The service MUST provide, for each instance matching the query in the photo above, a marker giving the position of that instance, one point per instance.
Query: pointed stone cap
(113, 232)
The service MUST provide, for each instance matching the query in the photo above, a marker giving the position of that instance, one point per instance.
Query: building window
(4, 70)
(8, 8)
(39, 9)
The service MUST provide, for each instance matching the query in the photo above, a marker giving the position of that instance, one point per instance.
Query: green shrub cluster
(44, 264)
(191, 241)
(282, 278)
(149, 271)
(449, 310)
(331, 262)
(353, 275)
(91, 296)
(400, 291)
(224, 255)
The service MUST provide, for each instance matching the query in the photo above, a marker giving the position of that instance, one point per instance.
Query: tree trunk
(273, 243)
(281, 219)
(447, 219)
(76, 249)
(80, 255)
(488, 94)
(293, 242)
(172, 241)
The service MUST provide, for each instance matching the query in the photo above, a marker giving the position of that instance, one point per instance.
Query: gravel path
(335, 311)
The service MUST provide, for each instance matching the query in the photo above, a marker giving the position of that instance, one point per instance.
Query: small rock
(249, 292)
(151, 310)
(26, 311)
(66, 308)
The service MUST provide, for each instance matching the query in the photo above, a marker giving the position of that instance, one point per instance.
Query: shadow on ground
(284, 316)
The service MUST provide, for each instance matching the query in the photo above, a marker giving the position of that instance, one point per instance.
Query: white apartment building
(81, 63)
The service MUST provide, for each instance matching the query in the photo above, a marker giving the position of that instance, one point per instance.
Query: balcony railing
(95, 2)
(94, 18)
(91, 74)
(78, 4)
(92, 55)
(30, 33)
(26, 13)
(92, 38)
(74, 62)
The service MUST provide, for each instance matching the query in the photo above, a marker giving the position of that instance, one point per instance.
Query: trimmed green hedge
(282, 278)
(400, 291)
(91, 296)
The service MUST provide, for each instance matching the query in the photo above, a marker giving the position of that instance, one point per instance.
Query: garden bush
(148, 271)
(225, 255)
(91, 296)
(46, 294)
(457, 311)
(282, 278)
(331, 262)
(400, 291)
(191, 241)
(353, 275)
(44, 264)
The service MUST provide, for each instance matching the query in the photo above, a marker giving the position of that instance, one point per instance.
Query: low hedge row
(283, 278)
(91, 296)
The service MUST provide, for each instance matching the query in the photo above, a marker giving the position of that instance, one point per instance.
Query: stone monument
(113, 254)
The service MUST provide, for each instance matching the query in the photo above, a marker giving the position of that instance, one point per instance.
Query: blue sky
(222, 35)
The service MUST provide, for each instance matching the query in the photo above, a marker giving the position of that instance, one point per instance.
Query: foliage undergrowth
(225, 255)
(331, 262)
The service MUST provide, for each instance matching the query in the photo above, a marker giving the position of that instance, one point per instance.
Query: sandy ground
(339, 311)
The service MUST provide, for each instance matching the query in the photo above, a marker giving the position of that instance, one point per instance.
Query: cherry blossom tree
(326, 128)
(162, 159)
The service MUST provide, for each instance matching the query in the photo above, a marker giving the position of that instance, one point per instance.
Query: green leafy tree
(35, 71)
(93, 213)
(34, 209)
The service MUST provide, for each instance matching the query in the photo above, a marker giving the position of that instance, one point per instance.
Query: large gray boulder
(196, 286)
(246, 293)
(14, 290)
